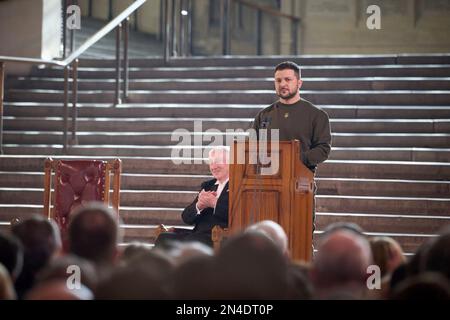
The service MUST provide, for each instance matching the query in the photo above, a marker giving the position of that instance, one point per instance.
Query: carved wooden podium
(282, 192)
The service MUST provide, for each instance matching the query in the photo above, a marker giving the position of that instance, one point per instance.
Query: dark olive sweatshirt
(302, 121)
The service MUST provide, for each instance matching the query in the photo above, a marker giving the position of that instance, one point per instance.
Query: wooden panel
(285, 197)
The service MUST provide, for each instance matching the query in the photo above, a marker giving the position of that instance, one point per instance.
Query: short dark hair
(289, 65)
(40, 238)
(94, 233)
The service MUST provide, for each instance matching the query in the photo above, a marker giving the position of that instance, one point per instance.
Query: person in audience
(387, 254)
(340, 266)
(184, 251)
(348, 226)
(6, 286)
(59, 290)
(251, 266)
(93, 234)
(11, 254)
(194, 279)
(62, 268)
(133, 250)
(274, 231)
(424, 286)
(145, 277)
(300, 286)
(437, 257)
(210, 207)
(41, 241)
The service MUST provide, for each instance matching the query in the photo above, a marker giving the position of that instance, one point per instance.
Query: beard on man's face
(288, 95)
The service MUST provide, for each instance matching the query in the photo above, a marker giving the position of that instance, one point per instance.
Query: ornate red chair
(77, 182)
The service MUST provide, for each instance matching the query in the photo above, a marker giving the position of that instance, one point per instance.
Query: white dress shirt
(220, 187)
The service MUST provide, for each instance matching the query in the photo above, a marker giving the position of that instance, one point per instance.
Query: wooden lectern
(282, 192)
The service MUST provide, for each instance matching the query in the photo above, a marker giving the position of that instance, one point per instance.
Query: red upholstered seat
(76, 182)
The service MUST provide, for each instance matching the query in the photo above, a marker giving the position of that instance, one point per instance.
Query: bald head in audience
(341, 263)
(274, 231)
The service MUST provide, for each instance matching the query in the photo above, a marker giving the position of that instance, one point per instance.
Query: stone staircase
(389, 170)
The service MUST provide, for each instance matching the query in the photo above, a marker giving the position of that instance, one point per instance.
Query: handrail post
(64, 26)
(181, 29)
(74, 101)
(295, 37)
(166, 31)
(173, 31)
(117, 99)
(90, 8)
(2, 89)
(225, 25)
(66, 109)
(72, 34)
(126, 27)
(259, 32)
(189, 28)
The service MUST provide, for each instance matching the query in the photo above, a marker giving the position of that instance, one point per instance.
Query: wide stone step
(271, 61)
(140, 124)
(384, 170)
(383, 188)
(409, 242)
(32, 109)
(91, 140)
(377, 83)
(428, 70)
(129, 181)
(326, 186)
(263, 97)
(390, 154)
(329, 169)
(143, 198)
(325, 203)
(370, 222)
(391, 205)
(152, 124)
(146, 234)
(106, 145)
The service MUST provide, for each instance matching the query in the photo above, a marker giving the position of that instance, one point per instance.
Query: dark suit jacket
(208, 218)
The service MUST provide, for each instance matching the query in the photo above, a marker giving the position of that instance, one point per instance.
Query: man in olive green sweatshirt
(296, 118)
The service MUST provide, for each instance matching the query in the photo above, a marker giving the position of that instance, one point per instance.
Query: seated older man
(210, 207)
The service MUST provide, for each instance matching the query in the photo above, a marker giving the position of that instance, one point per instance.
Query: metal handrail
(121, 23)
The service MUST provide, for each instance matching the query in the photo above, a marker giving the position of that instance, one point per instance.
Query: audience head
(185, 251)
(195, 279)
(64, 267)
(387, 254)
(251, 266)
(11, 254)
(59, 290)
(94, 234)
(437, 257)
(219, 159)
(144, 277)
(348, 226)
(425, 286)
(274, 231)
(41, 241)
(341, 262)
(300, 286)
